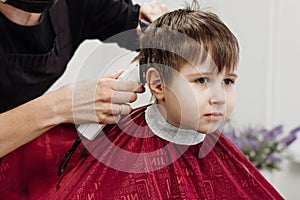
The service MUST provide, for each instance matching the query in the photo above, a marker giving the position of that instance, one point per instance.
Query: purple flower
(286, 141)
(263, 147)
(231, 134)
(274, 159)
(254, 143)
(239, 143)
(273, 133)
(234, 139)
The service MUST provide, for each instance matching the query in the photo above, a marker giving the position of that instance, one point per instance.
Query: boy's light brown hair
(188, 35)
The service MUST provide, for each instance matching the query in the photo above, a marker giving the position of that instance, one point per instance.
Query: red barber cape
(128, 162)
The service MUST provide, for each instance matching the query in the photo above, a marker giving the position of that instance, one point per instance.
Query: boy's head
(192, 58)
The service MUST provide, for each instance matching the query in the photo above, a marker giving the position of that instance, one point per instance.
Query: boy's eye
(202, 80)
(228, 81)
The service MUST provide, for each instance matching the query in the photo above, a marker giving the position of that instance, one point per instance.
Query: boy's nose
(216, 101)
(217, 95)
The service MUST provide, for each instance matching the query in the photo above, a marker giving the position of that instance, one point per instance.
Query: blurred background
(268, 87)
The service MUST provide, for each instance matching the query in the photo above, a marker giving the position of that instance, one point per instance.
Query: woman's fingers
(120, 85)
(110, 113)
(102, 100)
(113, 109)
(118, 91)
(152, 10)
(113, 76)
(126, 85)
(123, 97)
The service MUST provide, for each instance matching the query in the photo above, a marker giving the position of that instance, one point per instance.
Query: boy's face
(199, 97)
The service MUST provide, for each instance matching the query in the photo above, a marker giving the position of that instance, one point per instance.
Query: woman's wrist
(58, 107)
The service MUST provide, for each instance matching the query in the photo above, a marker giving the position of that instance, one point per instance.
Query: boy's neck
(19, 16)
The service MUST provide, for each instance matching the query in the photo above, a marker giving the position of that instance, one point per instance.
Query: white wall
(286, 96)
(268, 85)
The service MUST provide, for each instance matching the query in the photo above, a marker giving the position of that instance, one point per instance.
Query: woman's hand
(152, 10)
(89, 101)
(96, 101)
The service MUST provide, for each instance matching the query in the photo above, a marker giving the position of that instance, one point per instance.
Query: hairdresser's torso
(35, 48)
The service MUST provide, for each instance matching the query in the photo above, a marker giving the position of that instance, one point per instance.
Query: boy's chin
(207, 130)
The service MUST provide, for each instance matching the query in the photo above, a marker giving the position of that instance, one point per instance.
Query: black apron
(24, 77)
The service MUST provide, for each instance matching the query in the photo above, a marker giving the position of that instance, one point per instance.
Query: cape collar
(161, 128)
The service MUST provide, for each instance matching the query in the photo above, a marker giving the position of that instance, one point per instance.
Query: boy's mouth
(214, 116)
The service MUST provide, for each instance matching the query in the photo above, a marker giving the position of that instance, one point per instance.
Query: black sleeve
(102, 19)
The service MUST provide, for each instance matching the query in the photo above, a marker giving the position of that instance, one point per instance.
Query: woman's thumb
(115, 75)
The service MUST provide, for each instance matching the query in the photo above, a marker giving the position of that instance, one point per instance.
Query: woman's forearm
(84, 102)
(26, 122)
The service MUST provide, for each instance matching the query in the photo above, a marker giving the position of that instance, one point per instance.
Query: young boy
(171, 149)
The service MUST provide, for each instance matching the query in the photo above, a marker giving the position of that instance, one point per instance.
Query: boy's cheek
(229, 108)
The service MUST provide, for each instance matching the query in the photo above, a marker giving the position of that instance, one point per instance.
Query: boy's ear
(155, 83)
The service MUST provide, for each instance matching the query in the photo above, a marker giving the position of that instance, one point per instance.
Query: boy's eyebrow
(232, 74)
(194, 74)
